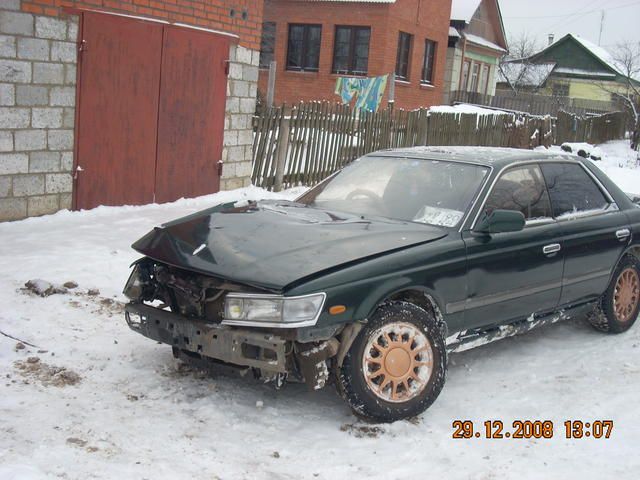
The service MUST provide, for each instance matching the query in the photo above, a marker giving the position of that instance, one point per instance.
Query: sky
(542, 17)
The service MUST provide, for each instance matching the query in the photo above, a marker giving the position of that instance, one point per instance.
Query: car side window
(571, 189)
(522, 189)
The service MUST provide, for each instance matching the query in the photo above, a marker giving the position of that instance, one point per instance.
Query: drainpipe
(464, 50)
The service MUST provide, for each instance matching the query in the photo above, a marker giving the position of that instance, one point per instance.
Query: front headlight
(272, 310)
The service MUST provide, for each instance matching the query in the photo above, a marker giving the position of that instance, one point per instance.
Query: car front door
(513, 275)
(594, 231)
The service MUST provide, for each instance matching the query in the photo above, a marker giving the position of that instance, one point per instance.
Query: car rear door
(513, 275)
(594, 230)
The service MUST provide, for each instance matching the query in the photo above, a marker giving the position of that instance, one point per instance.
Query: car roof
(487, 156)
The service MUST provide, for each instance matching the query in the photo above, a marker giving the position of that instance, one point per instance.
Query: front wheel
(396, 367)
(618, 307)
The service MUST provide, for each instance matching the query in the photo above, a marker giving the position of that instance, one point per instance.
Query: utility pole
(601, 27)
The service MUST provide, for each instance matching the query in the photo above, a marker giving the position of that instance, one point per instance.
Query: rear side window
(571, 189)
(521, 189)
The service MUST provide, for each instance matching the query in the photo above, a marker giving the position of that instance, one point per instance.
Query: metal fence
(306, 143)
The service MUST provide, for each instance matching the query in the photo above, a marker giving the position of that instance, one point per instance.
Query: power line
(571, 14)
(580, 13)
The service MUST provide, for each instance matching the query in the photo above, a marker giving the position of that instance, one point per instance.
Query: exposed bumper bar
(231, 345)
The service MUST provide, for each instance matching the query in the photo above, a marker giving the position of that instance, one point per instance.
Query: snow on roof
(585, 73)
(483, 42)
(453, 32)
(525, 74)
(602, 54)
(464, 9)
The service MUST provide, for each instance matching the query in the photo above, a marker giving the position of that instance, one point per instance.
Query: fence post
(392, 89)
(281, 152)
(271, 84)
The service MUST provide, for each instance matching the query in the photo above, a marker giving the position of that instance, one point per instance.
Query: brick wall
(242, 17)
(420, 18)
(37, 99)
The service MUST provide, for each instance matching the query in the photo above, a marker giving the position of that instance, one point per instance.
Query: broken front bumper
(241, 347)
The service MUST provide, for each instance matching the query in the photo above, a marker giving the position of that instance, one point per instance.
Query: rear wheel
(396, 367)
(618, 307)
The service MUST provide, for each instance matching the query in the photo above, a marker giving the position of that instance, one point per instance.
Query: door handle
(551, 249)
(623, 234)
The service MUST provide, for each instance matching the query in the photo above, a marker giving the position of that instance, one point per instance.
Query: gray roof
(488, 156)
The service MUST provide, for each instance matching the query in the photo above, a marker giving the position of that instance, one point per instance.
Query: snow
(477, 40)
(137, 414)
(525, 74)
(585, 73)
(465, 108)
(463, 10)
(618, 161)
(453, 32)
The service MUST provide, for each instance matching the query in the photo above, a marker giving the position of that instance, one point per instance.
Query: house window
(402, 58)
(484, 84)
(351, 50)
(267, 44)
(475, 71)
(560, 89)
(429, 59)
(465, 76)
(303, 52)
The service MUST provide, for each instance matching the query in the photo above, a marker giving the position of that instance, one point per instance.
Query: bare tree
(516, 65)
(627, 61)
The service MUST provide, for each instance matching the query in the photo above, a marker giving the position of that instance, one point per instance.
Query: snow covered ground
(136, 413)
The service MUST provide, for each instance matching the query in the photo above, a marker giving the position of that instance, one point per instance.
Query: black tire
(604, 317)
(351, 381)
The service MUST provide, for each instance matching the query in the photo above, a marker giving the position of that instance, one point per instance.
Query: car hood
(272, 244)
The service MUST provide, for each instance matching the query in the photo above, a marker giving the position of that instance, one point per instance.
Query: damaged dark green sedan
(370, 279)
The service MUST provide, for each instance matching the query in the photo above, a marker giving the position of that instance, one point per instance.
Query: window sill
(402, 83)
(427, 86)
(354, 75)
(302, 72)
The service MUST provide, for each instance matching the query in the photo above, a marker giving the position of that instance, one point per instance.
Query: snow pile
(104, 402)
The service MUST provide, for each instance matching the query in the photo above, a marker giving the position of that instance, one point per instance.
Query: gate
(151, 108)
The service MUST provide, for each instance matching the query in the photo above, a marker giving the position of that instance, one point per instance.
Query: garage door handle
(623, 234)
(551, 249)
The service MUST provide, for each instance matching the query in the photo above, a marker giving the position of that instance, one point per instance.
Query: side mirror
(500, 221)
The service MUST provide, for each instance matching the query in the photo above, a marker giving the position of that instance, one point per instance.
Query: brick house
(313, 42)
(477, 41)
(138, 103)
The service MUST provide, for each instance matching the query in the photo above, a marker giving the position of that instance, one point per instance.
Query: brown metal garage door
(150, 111)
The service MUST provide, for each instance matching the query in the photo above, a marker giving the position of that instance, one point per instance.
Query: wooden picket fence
(304, 144)
(594, 130)
(534, 104)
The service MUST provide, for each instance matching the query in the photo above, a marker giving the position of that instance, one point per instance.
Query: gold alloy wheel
(397, 362)
(626, 294)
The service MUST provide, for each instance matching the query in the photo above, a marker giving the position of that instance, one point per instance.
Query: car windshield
(417, 190)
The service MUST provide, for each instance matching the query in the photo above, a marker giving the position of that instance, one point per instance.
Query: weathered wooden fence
(534, 104)
(573, 128)
(304, 144)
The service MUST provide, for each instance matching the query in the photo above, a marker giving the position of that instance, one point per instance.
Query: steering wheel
(363, 192)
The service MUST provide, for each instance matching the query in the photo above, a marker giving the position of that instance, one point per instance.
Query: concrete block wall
(37, 111)
(38, 55)
(242, 87)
